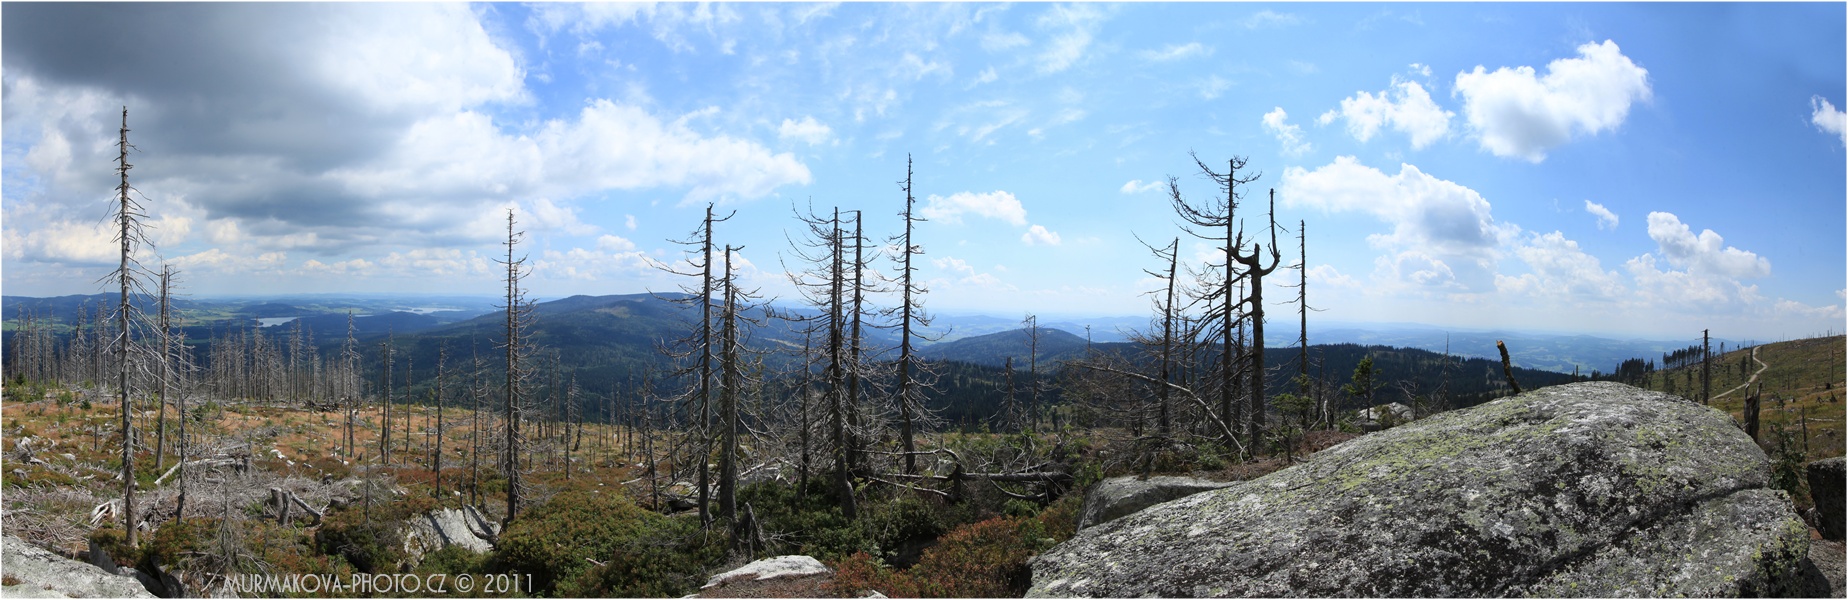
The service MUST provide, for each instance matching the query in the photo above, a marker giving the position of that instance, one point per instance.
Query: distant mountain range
(638, 321)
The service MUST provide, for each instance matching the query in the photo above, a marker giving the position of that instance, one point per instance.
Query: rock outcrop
(1826, 478)
(1114, 498)
(447, 527)
(42, 574)
(1590, 489)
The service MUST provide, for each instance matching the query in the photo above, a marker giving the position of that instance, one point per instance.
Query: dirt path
(1761, 369)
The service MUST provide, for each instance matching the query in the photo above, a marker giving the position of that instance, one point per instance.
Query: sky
(1620, 170)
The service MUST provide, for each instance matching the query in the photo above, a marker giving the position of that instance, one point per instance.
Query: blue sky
(1642, 170)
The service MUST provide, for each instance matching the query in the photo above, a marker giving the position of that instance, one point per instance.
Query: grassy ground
(1801, 383)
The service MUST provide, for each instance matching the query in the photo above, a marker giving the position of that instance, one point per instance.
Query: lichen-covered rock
(1114, 498)
(1826, 478)
(42, 574)
(1591, 489)
(439, 529)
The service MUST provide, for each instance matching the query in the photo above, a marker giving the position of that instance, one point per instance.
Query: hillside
(1802, 390)
(995, 349)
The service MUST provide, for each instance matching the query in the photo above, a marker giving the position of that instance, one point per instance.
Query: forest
(631, 445)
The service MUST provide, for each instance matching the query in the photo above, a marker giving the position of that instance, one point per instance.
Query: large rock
(1117, 497)
(1826, 478)
(1591, 489)
(42, 574)
(439, 529)
(789, 565)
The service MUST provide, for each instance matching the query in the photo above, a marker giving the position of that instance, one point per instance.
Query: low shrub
(373, 545)
(980, 560)
(643, 553)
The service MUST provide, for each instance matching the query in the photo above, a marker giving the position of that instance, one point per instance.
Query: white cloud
(1136, 186)
(1441, 230)
(1405, 107)
(357, 266)
(1606, 218)
(1291, 136)
(614, 243)
(1269, 18)
(1077, 24)
(218, 261)
(1561, 268)
(1792, 308)
(1173, 52)
(1514, 113)
(542, 213)
(629, 222)
(999, 41)
(1829, 119)
(67, 242)
(997, 204)
(610, 146)
(919, 68)
(1703, 254)
(1212, 87)
(987, 75)
(1038, 234)
(1328, 275)
(954, 265)
(1703, 273)
(808, 131)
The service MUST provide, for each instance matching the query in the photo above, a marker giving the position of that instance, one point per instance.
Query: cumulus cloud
(1441, 231)
(1560, 268)
(1517, 113)
(1828, 118)
(1405, 107)
(1705, 253)
(335, 124)
(1606, 218)
(1701, 271)
(614, 243)
(998, 205)
(1039, 235)
(808, 131)
(1291, 136)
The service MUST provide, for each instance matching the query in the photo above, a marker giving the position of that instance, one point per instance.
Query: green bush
(373, 546)
(114, 542)
(809, 523)
(981, 560)
(644, 553)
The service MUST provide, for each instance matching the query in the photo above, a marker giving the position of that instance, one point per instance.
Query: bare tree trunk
(126, 213)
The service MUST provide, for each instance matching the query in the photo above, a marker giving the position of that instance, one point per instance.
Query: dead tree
(1215, 221)
(1031, 325)
(385, 401)
(823, 286)
(436, 455)
(1255, 272)
(697, 349)
(129, 278)
(914, 377)
(733, 329)
(165, 334)
(519, 350)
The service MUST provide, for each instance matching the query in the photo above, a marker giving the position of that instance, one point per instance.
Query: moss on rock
(1592, 489)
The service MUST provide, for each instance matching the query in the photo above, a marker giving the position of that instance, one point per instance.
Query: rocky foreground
(1591, 489)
